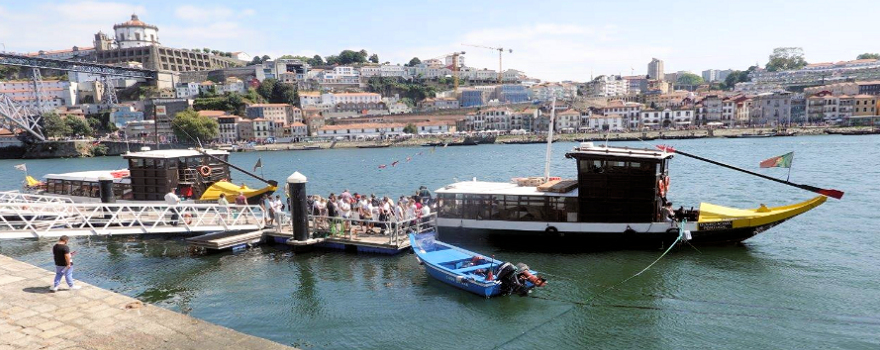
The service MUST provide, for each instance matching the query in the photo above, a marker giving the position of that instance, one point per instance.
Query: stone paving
(31, 317)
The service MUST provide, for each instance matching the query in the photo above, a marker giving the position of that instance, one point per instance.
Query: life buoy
(661, 188)
(666, 182)
(205, 170)
(187, 218)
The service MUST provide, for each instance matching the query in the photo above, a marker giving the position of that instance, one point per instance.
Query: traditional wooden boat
(378, 145)
(472, 272)
(617, 201)
(192, 174)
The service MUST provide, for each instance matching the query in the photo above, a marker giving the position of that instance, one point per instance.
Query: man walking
(172, 200)
(63, 264)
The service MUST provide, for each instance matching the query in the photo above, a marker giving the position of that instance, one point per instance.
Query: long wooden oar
(825, 192)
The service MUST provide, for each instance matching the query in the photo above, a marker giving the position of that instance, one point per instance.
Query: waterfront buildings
(606, 86)
(627, 112)
(373, 130)
(655, 69)
(770, 108)
(820, 73)
(666, 118)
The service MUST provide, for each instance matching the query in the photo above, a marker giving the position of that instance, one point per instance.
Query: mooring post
(299, 211)
(105, 186)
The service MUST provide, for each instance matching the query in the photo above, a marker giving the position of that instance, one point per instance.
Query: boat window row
(509, 208)
(171, 163)
(595, 166)
(83, 188)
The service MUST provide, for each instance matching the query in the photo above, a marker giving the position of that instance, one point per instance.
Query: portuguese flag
(783, 161)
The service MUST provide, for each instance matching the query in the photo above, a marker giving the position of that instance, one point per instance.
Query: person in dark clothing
(63, 264)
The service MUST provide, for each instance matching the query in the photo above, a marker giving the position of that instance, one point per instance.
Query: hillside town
(231, 97)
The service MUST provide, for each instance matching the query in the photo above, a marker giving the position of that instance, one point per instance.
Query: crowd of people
(353, 213)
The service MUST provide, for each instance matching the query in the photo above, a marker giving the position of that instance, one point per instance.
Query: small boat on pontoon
(473, 272)
(200, 175)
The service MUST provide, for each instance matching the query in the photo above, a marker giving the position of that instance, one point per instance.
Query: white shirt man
(172, 199)
(426, 210)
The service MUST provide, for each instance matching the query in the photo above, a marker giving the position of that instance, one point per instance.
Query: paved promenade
(93, 318)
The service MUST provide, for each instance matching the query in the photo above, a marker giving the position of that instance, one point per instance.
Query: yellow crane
(500, 52)
(455, 67)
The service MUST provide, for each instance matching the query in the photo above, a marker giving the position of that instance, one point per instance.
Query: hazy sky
(551, 40)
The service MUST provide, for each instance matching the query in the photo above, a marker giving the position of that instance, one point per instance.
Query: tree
(349, 57)
(206, 50)
(266, 88)
(866, 56)
(78, 127)
(266, 58)
(689, 79)
(332, 59)
(374, 58)
(316, 61)
(256, 60)
(189, 125)
(284, 93)
(55, 126)
(8, 72)
(786, 58)
(410, 129)
(414, 62)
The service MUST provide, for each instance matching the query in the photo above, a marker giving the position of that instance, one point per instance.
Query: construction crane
(455, 67)
(500, 51)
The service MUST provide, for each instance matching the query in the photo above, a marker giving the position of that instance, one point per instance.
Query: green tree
(689, 79)
(414, 62)
(786, 58)
(374, 58)
(332, 59)
(350, 57)
(78, 127)
(54, 125)
(256, 60)
(267, 86)
(284, 93)
(316, 61)
(265, 58)
(189, 125)
(410, 129)
(8, 72)
(866, 56)
(206, 50)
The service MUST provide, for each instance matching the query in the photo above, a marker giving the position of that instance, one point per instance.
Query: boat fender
(205, 170)
(552, 230)
(536, 280)
(629, 230)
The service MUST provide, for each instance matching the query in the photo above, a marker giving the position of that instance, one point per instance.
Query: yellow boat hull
(732, 224)
(231, 191)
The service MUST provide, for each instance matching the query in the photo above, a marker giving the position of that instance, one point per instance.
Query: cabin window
(137, 163)
(160, 163)
(149, 163)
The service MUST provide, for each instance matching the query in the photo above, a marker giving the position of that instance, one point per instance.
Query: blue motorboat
(473, 272)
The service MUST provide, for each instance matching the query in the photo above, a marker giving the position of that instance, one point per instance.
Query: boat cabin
(85, 184)
(620, 184)
(189, 172)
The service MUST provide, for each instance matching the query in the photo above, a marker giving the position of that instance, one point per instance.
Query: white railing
(395, 230)
(20, 220)
(18, 197)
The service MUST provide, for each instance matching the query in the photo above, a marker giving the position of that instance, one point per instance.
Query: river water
(813, 282)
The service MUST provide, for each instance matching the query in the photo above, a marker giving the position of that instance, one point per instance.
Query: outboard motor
(518, 280)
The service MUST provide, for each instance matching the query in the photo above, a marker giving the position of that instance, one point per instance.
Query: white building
(372, 130)
(186, 90)
(53, 93)
(606, 86)
(607, 122)
(666, 118)
(351, 97)
(627, 111)
(136, 33)
(233, 85)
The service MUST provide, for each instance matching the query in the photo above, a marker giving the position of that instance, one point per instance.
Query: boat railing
(51, 219)
(396, 230)
(18, 197)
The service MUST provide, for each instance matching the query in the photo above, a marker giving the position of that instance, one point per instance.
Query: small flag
(783, 161)
(395, 163)
(383, 166)
(259, 164)
(21, 167)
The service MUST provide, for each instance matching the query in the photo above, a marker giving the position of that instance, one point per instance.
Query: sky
(551, 40)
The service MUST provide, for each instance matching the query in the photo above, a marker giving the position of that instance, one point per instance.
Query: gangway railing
(25, 220)
(396, 230)
(19, 197)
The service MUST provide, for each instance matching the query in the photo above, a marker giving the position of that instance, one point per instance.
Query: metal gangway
(39, 217)
(18, 197)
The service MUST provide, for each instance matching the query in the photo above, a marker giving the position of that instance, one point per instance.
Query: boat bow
(716, 215)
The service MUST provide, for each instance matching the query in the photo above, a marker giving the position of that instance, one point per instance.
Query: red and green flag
(783, 161)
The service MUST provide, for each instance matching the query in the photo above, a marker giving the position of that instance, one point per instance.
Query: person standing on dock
(172, 200)
(277, 208)
(63, 264)
(223, 203)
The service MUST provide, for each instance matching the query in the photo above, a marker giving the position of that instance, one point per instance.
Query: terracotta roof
(134, 22)
(297, 124)
(212, 113)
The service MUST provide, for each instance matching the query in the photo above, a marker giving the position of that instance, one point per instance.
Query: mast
(550, 140)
